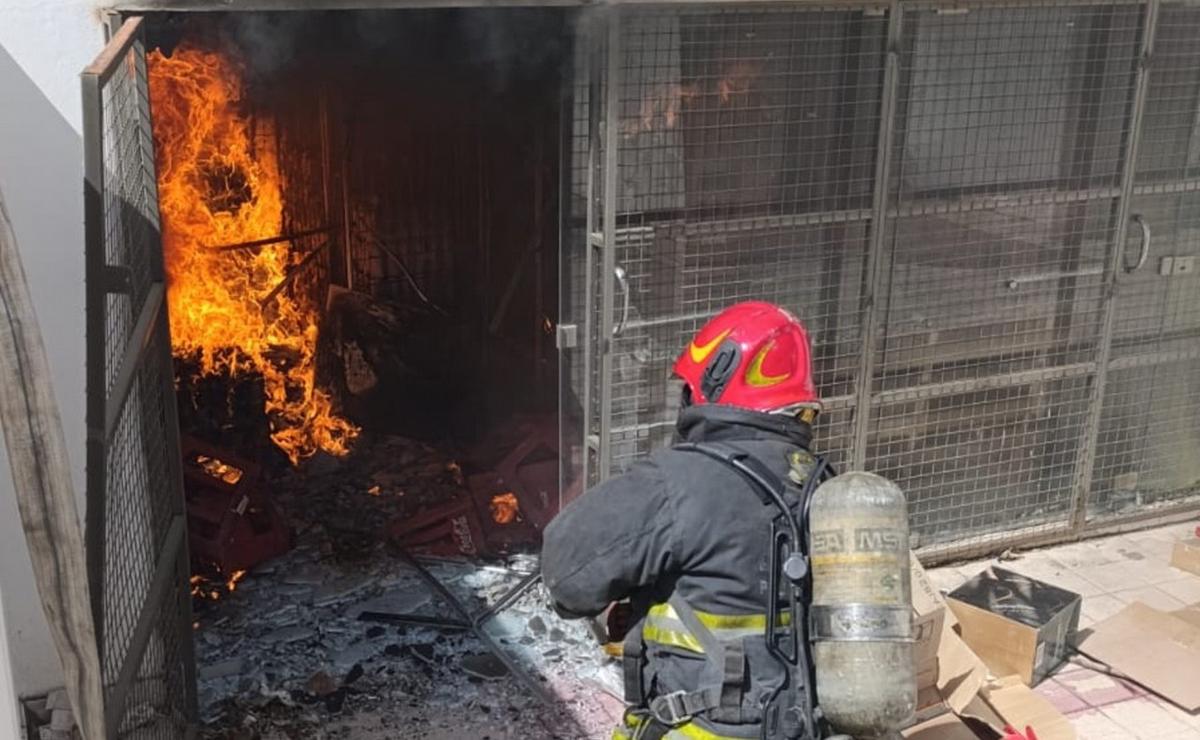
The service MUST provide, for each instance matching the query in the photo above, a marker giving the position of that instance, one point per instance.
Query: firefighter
(686, 538)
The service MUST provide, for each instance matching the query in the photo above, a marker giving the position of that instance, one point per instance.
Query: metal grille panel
(574, 281)
(1146, 452)
(1170, 142)
(1009, 141)
(1145, 458)
(746, 141)
(946, 217)
(998, 99)
(983, 464)
(1157, 312)
(137, 550)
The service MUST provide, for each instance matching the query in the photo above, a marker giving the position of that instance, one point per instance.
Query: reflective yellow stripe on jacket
(689, 731)
(664, 627)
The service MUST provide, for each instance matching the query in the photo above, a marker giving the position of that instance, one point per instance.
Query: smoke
(507, 45)
(376, 30)
(514, 45)
(269, 41)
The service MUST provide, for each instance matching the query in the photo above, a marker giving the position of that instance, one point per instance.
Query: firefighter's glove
(1010, 733)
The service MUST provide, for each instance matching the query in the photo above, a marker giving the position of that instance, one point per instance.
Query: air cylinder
(861, 612)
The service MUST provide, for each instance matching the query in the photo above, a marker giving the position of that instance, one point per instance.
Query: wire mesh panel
(745, 145)
(941, 196)
(1149, 427)
(1009, 131)
(137, 553)
(578, 371)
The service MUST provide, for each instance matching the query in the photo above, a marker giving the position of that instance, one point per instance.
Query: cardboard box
(1161, 651)
(949, 675)
(1015, 624)
(946, 727)
(961, 674)
(929, 613)
(1186, 555)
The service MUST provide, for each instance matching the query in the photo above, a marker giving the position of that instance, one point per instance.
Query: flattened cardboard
(1017, 705)
(945, 727)
(1008, 701)
(1158, 650)
(979, 709)
(1016, 624)
(1186, 555)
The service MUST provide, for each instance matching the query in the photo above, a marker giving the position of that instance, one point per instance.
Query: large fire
(217, 188)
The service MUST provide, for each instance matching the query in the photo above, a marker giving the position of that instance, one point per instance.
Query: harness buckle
(670, 709)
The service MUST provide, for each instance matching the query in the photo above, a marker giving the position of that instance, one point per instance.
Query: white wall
(10, 716)
(44, 44)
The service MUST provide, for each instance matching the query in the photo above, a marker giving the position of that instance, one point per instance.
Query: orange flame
(232, 583)
(661, 107)
(219, 470)
(737, 81)
(505, 508)
(217, 187)
(202, 590)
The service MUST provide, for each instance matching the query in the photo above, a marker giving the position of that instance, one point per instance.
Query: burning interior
(360, 232)
(360, 243)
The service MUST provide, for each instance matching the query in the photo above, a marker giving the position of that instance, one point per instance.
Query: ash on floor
(310, 648)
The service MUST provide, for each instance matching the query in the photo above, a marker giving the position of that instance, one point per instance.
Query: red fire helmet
(752, 355)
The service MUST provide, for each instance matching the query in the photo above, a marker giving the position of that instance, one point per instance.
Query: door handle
(1144, 254)
(623, 281)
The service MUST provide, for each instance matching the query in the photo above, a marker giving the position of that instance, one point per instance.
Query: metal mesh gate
(959, 202)
(1149, 429)
(136, 535)
(1003, 188)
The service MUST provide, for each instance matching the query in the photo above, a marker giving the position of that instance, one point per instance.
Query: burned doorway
(359, 230)
(360, 233)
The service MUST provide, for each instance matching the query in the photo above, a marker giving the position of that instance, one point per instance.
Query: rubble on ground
(342, 630)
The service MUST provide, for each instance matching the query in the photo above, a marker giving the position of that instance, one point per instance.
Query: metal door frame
(150, 334)
(605, 241)
(1134, 190)
(1113, 269)
(873, 277)
(1075, 525)
(599, 31)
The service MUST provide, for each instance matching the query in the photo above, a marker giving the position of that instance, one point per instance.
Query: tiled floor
(1108, 573)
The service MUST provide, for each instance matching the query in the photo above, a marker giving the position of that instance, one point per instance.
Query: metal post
(1083, 470)
(607, 244)
(588, 28)
(348, 244)
(565, 294)
(872, 275)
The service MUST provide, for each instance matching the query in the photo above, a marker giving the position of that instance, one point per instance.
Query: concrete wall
(43, 47)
